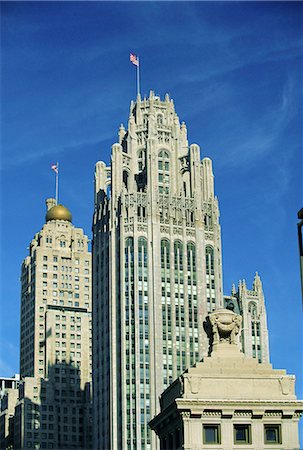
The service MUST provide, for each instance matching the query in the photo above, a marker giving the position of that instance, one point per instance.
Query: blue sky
(235, 74)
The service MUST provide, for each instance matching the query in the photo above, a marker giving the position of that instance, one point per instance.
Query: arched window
(165, 249)
(209, 251)
(178, 251)
(159, 120)
(252, 308)
(163, 171)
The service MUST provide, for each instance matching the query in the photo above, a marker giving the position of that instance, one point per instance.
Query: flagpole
(57, 183)
(138, 76)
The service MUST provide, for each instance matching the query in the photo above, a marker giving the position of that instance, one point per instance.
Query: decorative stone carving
(286, 385)
(184, 164)
(226, 326)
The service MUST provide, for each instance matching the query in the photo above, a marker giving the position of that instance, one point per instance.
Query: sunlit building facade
(157, 267)
(250, 304)
(54, 400)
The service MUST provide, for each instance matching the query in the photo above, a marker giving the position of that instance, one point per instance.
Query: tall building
(157, 266)
(250, 304)
(53, 408)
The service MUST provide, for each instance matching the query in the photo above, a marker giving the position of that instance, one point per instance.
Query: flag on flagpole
(134, 59)
(55, 168)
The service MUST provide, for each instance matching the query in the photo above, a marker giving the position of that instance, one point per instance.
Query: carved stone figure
(226, 326)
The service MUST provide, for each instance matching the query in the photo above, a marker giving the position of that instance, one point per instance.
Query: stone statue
(226, 326)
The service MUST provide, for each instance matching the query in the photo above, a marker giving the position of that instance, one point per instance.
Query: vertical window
(141, 160)
(125, 178)
(143, 341)
(129, 327)
(181, 350)
(255, 332)
(166, 312)
(163, 171)
(192, 302)
(210, 278)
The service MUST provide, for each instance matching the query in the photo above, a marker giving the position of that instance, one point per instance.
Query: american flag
(55, 168)
(134, 59)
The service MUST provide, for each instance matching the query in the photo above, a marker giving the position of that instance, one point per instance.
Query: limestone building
(54, 402)
(250, 304)
(157, 270)
(229, 401)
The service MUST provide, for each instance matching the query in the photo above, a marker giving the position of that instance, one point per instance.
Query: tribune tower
(157, 270)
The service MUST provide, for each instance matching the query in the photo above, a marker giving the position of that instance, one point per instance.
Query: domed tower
(55, 350)
(57, 212)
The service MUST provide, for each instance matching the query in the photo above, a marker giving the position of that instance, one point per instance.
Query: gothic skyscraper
(157, 268)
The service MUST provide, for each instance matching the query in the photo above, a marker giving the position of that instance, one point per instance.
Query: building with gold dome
(53, 408)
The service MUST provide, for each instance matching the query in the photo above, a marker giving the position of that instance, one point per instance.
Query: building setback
(54, 401)
(157, 266)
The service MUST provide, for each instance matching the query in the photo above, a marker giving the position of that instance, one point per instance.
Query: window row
(242, 434)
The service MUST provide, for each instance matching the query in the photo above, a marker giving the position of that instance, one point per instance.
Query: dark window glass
(211, 434)
(272, 434)
(242, 434)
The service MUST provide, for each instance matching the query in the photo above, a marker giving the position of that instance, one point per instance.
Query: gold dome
(58, 212)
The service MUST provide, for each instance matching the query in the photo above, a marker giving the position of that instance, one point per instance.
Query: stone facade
(157, 267)
(53, 409)
(229, 401)
(251, 305)
(157, 270)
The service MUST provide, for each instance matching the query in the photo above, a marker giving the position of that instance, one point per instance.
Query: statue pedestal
(226, 350)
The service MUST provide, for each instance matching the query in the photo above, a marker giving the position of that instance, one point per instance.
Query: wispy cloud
(26, 156)
(260, 138)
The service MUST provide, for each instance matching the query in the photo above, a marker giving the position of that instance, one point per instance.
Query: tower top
(57, 212)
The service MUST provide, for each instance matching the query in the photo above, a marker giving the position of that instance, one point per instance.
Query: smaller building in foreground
(8, 398)
(229, 401)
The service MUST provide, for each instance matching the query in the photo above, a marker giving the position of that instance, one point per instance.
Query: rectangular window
(272, 434)
(211, 434)
(242, 434)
